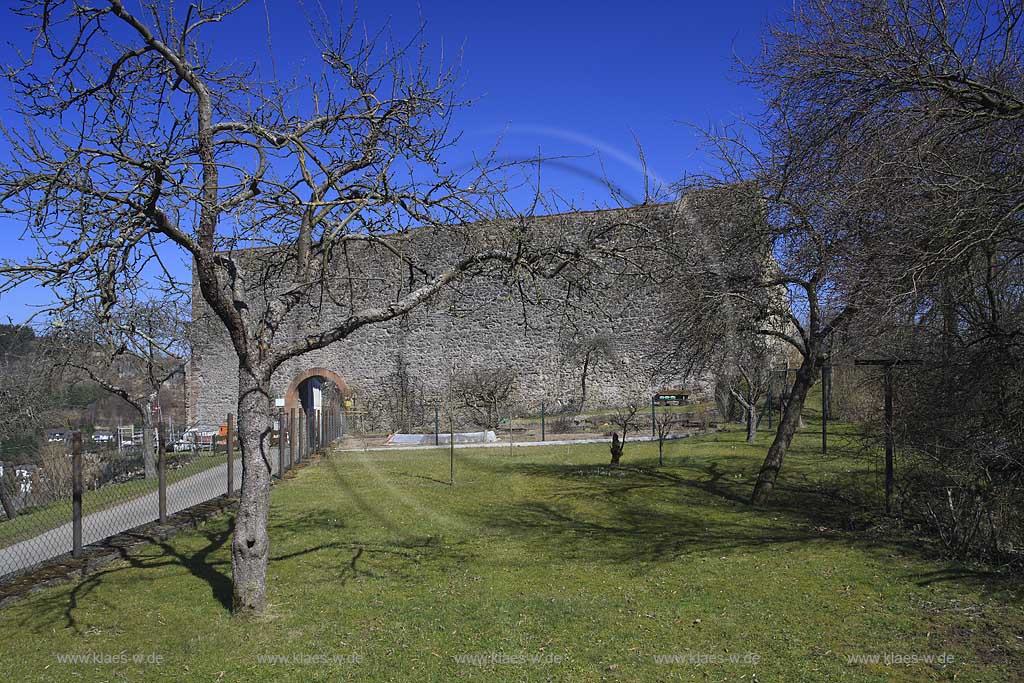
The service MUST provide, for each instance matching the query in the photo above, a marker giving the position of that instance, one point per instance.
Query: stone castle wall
(483, 324)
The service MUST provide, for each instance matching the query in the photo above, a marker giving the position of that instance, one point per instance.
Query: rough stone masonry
(547, 334)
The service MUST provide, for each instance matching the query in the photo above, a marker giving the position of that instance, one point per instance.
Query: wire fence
(420, 421)
(71, 491)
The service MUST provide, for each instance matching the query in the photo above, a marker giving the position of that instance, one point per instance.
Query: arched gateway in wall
(291, 396)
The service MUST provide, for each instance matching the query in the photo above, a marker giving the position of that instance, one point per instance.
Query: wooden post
(231, 454)
(889, 442)
(76, 493)
(824, 410)
(291, 438)
(161, 473)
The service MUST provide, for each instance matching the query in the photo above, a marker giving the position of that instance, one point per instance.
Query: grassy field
(545, 565)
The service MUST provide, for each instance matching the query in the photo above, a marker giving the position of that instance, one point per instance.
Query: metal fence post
(437, 425)
(161, 470)
(231, 454)
(76, 500)
(281, 432)
(291, 438)
(542, 434)
(653, 419)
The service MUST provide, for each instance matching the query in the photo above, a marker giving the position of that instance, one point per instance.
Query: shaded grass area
(383, 572)
(34, 521)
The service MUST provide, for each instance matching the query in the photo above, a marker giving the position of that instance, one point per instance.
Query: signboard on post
(672, 397)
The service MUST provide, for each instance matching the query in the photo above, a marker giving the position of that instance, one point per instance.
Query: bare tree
(28, 398)
(586, 352)
(145, 138)
(665, 422)
(140, 348)
(747, 375)
(624, 419)
(882, 118)
(485, 394)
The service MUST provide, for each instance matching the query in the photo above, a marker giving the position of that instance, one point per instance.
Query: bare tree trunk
(583, 381)
(752, 422)
(5, 492)
(787, 428)
(148, 440)
(250, 547)
(616, 448)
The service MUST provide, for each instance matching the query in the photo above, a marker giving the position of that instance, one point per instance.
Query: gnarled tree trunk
(616, 448)
(751, 422)
(788, 425)
(250, 547)
(7, 486)
(149, 437)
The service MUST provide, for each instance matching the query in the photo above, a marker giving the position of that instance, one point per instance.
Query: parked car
(198, 438)
(100, 436)
(57, 435)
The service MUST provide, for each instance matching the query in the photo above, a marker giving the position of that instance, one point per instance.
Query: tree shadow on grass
(701, 505)
(156, 555)
(375, 560)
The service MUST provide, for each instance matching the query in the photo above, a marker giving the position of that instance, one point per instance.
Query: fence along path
(198, 488)
(297, 443)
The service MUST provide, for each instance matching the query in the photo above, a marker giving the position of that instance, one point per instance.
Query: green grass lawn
(382, 572)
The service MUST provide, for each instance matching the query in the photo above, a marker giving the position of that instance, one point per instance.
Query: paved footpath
(97, 526)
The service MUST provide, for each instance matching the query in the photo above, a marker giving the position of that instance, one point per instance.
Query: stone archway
(291, 397)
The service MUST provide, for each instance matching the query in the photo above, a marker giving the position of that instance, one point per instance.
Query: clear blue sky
(561, 78)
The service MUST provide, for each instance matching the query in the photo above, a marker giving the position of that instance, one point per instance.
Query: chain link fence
(68, 490)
